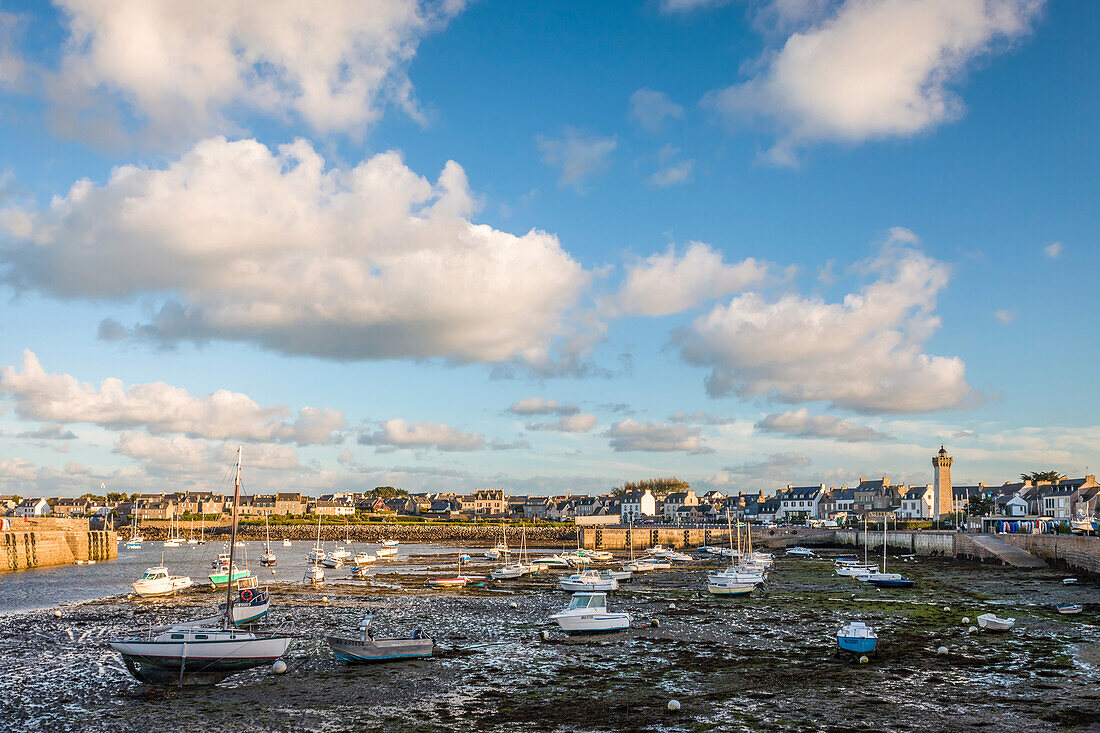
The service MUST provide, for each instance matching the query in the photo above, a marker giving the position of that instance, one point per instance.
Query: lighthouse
(942, 495)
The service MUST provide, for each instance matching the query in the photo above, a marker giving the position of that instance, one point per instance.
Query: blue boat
(887, 580)
(857, 638)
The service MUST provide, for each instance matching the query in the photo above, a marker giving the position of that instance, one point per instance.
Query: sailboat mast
(232, 543)
(884, 544)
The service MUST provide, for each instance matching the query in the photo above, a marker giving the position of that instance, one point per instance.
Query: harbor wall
(42, 543)
(905, 542)
(1082, 553)
(621, 538)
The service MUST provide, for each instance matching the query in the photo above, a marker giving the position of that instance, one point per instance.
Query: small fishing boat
(660, 564)
(389, 543)
(800, 552)
(134, 543)
(360, 572)
(362, 558)
(589, 580)
(552, 561)
(678, 557)
(239, 543)
(990, 622)
(457, 581)
(286, 543)
(333, 562)
(220, 577)
(587, 614)
(315, 574)
(157, 582)
(1065, 581)
(366, 648)
(638, 566)
(384, 551)
(853, 569)
(340, 553)
(617, 574)
(511, 571)
(250, 605)
(597, 555)
(1069, 608)
(738, 575)
(857, 638)
(884, 580)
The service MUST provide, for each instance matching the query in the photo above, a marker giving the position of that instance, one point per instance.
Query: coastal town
(1052, 499)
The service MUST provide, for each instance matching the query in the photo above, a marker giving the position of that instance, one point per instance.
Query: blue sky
(549, 247)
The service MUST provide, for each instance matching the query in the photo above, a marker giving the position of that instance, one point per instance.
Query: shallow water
(763, 662)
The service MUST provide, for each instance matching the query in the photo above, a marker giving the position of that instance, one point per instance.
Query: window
(177, 636)
(201, 636)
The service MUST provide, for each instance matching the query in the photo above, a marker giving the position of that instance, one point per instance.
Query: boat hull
(890, 583)
(856, 645)
(359, 651)
(600, 623)
(195, 663)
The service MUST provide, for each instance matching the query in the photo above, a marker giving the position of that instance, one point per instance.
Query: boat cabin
(588, 600)
(155, 573)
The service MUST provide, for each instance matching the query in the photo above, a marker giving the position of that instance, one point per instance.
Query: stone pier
(43, 542)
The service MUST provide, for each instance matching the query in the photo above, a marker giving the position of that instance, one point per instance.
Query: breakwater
(621, 538)
(45, 542)
(490, 534)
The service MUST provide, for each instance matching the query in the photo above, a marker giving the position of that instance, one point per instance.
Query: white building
(32, 508)
(636, 505)
(801, 502)
(673, 502)
(917, 503)
(1016, 506)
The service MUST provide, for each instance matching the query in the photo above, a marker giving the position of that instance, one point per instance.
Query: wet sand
(764, 662)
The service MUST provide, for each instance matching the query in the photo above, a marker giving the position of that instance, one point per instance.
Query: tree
(659, 487)
(386, 492)
(980, 506)
(1037, 476)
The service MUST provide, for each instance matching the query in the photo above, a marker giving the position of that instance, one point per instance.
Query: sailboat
(501, 548)
(268, 559)
(317, 554)
(174, 540)
(202, 531)
(191, 533)
(134, 543)
(198, 653)
(508, 570)
(735, 580)
(885, 579)
(635, 566)
(852, 568)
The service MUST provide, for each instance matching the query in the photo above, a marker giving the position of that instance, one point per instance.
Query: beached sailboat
(200, 654)
(134, 543)
(736, 580)
(884, 579)
(317, 554)
(367, 648)
(314, 575)
(174, 540)
(589, 580)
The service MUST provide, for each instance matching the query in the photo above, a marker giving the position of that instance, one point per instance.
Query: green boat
(219, 577)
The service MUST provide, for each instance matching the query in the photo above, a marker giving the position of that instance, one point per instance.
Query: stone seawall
(1082, 553)
(621, 538)
(22, 550)
(483, 534)
(907, 542)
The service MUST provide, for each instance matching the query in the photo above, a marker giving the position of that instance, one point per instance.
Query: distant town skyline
(453, 245)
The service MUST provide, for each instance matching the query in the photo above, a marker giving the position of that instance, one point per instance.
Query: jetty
(1003, 551)
(41, 542)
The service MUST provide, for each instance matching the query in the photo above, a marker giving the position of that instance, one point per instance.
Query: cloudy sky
(447, 244)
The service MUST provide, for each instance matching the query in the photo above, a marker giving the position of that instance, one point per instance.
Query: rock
(324, 599)
(673, 705)
(279, 667)
(942, 650)
(864, 659)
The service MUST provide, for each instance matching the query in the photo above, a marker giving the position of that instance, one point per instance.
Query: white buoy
(57, 614)
(864, 659)
(672, 606)
(545, 635)
(324, 599)
(673, 705)
(279, 667)
(513, 604)
(972, 629)
(942, 650)
(656, 622)
(966, 619)
(947, 608)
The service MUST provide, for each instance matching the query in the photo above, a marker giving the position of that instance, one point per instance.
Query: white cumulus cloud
(580, 157)
(632, 435)
(193, 68)
(872, 69)
(1053, 250)
(244, 243)
(161, 408)
(398, 433)
(800, 423)
(863, 353)
(669, 282)
(652, 109)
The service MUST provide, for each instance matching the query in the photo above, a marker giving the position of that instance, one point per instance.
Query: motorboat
(990, 622)
(250, 605)
(173, 543)
(617, 574)
(220, 561)
(587, 613)
(638, 566)
(589, 580)
(856, 637)
(800, 552)
(363, 558)
(239, 543)
(510, 571)
(728, 587)
(366, 648)
(678, 557)
(390, 543)
(1069, 608)
(333, 562)
(315, 574)
(738, 575)
(491, 554)
(660, 564)
(157, 582)
(360, 572)
(317, 554)
(268, 559)
(286, 543)
(220, 577)
(340, 553)
(200, 654)
(597, 555)
(134, 543)
(552, 561)
(578, 560)
(384, 551)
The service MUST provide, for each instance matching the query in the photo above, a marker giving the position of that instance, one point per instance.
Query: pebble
(673, 705)
(656, 622)
(279, 667)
